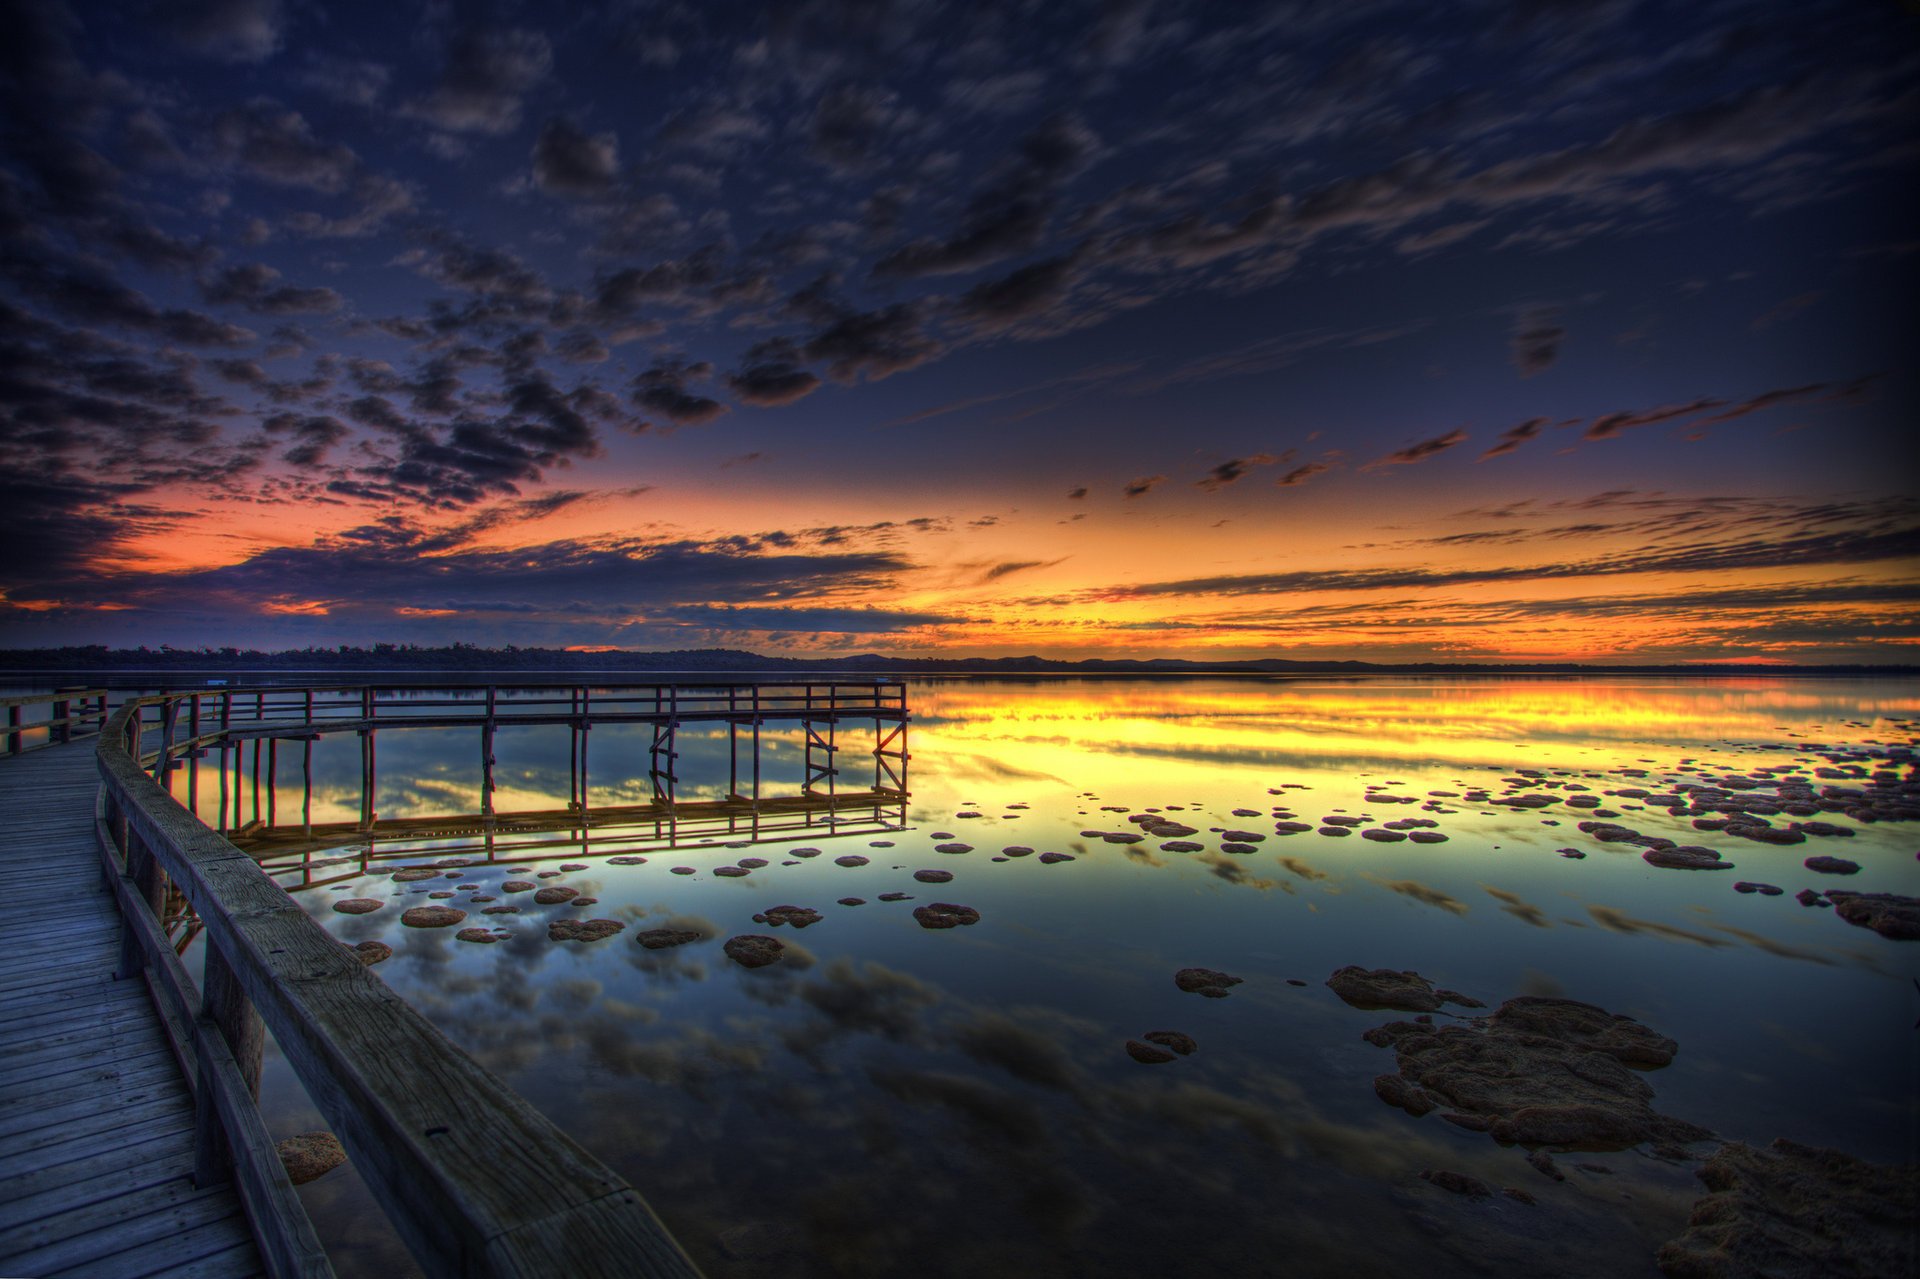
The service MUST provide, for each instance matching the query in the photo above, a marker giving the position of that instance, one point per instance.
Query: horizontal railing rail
(71, 713)
(474, 1179)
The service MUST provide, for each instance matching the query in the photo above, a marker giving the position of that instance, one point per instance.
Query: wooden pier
(97, 1136)
(133, 1145)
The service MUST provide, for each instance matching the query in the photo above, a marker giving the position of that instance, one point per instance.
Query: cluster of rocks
(1161, 1046)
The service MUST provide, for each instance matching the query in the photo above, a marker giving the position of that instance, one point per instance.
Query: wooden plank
(33, 1109)
(150, 1146)
(240, 1261)
(170, 1211)
(115, 1188)
(101, 1121)
(105, 1069)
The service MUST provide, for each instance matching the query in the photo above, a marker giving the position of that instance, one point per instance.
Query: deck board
(96, 1146)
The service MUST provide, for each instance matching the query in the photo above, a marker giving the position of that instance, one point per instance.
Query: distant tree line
(473, 658)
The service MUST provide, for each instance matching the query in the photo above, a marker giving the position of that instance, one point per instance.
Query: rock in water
(752, 950)
(1458, 1183)
(1832, 865)
(1182, 1044)
(1888, 914)
(934, 876)
(945, 915)
(1384, 988)
(1205, 981)
(433, 917)
(662, 938)
(370, 953)
(555, 895)
(1797, 1212)
(583, 929)
(797, 916)
(1685, 857)
(1537, 1072)
(1147, 1054)
(310, 1155)
(358, 905)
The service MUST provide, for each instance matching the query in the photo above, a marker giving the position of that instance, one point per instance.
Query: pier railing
(474, 1179)
(70, 714)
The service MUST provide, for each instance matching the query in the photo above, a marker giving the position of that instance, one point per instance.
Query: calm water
(893, 1100)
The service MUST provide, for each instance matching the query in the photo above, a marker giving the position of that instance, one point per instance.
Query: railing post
(225, 1010)
(13, 730)
(150, 886)
(61, 732)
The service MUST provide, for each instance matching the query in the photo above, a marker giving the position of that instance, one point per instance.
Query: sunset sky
(1469, 332)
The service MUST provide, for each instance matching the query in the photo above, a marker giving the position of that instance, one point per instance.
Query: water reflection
(890, 1099)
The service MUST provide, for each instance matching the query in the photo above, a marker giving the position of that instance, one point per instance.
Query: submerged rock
(853, 901)
(483, 936)
(681, 870)
(310, 1156)
(752, 950)
(433, 917)
(583, 929)
(1539, 1071)
(797, 916)
(1426, 837)
(1408, 991)
(1749, 886)
(518, 886)
(662, 938)
(358, 905)
(850, 859)
(934, 876)
(731, 872)
(555, 894)
(1182, 1044)
(370, 953)
(1797, 1212)
(1458, 1183)
(1888, 914)
(1049, 859)
(1017, 850)
(1832, 865)
(945, 915)
(896, 897)
(1148, 1054)
(626, 861)
(1807, 897)
(413, 874)
(1685, 857)
(501, 910)
(1205, 981)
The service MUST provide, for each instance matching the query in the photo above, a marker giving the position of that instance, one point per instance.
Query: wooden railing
(71, 713)
(474, 1179)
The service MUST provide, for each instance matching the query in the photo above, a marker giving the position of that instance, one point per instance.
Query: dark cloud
(1232, 469)
(1010, 213)
(569, 161)
(92, 297)
(850, 123)
(484, 79)
(873, 344)
(1419, 452)
(255, 286)
(1078, 494)
(662, 389)
(227, 30)
(772, 376)
(1302, 473)
(1136, 488)
(1535, 340)
(273, 144)
(1740, 552)
(1019, 294)
(1514, 436)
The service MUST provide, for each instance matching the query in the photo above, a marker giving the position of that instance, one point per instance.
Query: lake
(890, 1098)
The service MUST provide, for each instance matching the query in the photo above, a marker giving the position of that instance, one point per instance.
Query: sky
(1575, 330)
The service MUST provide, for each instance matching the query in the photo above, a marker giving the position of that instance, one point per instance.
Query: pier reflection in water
(891, 1099)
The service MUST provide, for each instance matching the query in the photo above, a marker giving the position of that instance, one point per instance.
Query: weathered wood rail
(71, 713)
(475, 1181)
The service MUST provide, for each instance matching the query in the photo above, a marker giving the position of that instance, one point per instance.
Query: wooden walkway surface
(96, 1119)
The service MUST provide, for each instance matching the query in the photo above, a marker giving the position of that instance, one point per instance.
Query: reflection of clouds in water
(1235, 871)
(1618, 921)
(1304, 870)
(1424, 893)
(1517, 906)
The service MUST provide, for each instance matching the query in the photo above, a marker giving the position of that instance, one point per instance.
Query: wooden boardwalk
(96, 1129)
